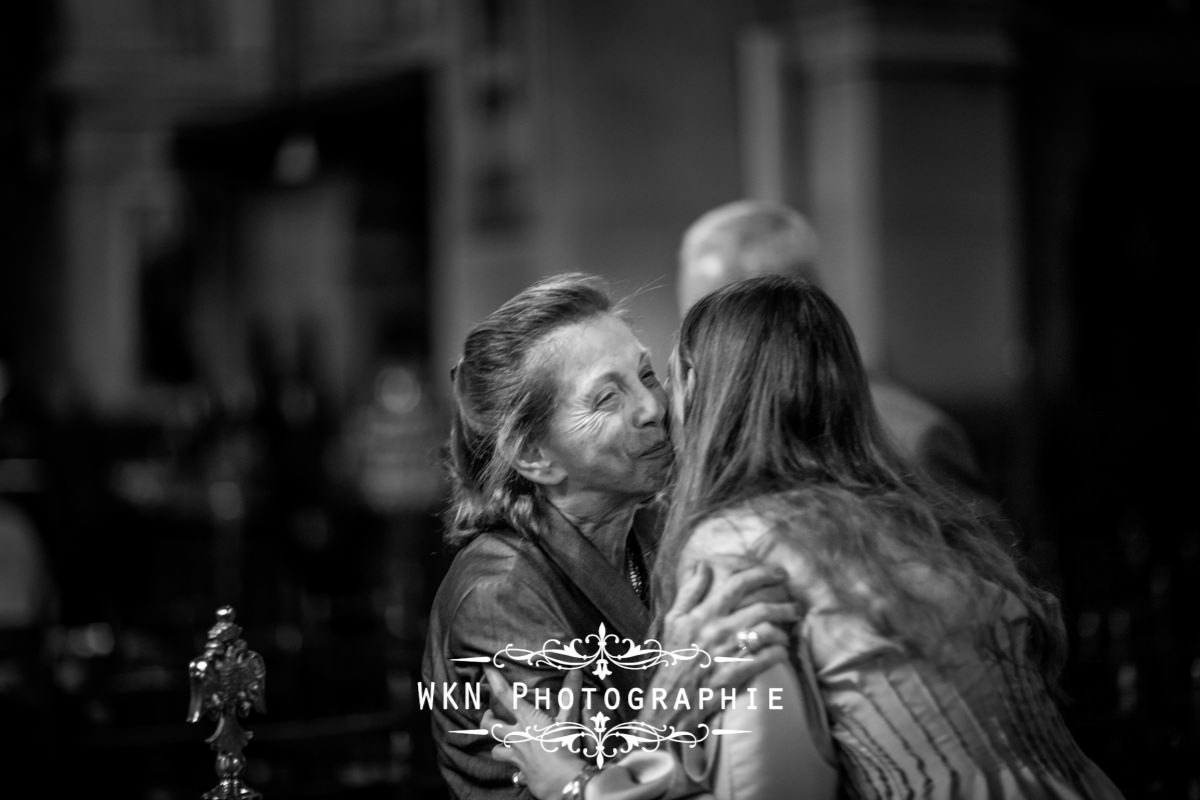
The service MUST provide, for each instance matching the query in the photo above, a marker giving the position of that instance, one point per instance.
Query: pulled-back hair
(503, 398)
(780, 423)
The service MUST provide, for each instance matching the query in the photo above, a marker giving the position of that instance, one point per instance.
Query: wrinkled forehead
(581, 353)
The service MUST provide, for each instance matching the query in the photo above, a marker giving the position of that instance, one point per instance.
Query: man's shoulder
(922, 430)
(900, 408)
(928, 436)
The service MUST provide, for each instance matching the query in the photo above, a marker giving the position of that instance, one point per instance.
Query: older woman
(558, 438)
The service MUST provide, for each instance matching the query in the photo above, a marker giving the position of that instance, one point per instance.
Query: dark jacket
(931, 439)
(505, 588)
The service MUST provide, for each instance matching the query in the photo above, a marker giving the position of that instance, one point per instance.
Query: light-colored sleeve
(783, 749)
(761, 753)
(775, 755)
(641, 775)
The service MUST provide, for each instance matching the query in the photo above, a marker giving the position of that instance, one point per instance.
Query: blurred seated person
(25, 589)
(747, 238)
(27, 606)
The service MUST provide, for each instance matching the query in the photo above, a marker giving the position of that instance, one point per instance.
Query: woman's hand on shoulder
(731, 541)
(728, 536)
(729, 620)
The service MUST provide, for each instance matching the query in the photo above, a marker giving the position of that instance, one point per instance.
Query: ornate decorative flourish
(600, 742)
(595, 649)
(227, 682)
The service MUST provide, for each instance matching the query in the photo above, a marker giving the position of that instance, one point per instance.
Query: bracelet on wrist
(575, 789)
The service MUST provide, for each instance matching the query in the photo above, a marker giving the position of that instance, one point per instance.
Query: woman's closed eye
(649, 379)
(605, 399)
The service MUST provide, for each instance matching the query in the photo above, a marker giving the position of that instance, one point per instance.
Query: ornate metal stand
(227, 681)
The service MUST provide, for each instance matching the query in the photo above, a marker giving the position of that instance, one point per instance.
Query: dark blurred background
(241, 240)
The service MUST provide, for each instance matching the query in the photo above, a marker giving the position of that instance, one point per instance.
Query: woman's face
(608, 432)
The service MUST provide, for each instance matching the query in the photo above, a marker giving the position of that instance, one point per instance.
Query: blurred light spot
(398, 389)
(99, 638)
(70, 675)
(296, 161)
(1127, 689)
(91, 641)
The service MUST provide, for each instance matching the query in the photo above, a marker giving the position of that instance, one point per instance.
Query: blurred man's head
(740, 240)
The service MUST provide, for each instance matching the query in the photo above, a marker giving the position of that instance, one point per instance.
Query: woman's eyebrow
(614, 374)
(597, 381)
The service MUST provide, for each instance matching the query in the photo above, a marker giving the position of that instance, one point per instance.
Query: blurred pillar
(585, 136)
(908, 171)
(119, 200)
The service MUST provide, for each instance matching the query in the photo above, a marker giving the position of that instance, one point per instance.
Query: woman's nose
(652, 407)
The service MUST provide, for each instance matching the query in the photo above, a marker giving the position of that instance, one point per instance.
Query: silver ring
(518, 779)
(747, 642)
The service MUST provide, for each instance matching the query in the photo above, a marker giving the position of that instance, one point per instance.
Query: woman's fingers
(508, 755)
(573, 683)
(738, 673)
(499, 685)
(523, 713)
(501, 694)
(692, 589)
(770, 621)
(734, 590)
(495, 724)
(749, 640)
(498, 727)
(780, 615)
(712, 622)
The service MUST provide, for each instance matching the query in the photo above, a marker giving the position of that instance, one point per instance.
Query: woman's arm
(702, 616)
(783, 749)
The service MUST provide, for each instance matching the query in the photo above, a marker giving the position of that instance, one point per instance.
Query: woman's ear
(534, 464)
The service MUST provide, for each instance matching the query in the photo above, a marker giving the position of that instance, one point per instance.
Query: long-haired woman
(925, 662)
(932, 658)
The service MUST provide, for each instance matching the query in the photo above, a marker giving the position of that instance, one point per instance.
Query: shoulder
(736, 538)
(495, 564)
(497, 579)
(738, 532)
(904, 412)
(926, 434)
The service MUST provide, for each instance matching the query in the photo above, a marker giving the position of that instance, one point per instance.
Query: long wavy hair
(780, 422)
(503, 398)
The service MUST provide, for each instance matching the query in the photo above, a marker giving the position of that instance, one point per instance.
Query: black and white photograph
(599, 399)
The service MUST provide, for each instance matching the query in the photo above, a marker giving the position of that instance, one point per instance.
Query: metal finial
(227, 682)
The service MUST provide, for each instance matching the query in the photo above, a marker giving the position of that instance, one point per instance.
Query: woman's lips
(662, 448)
